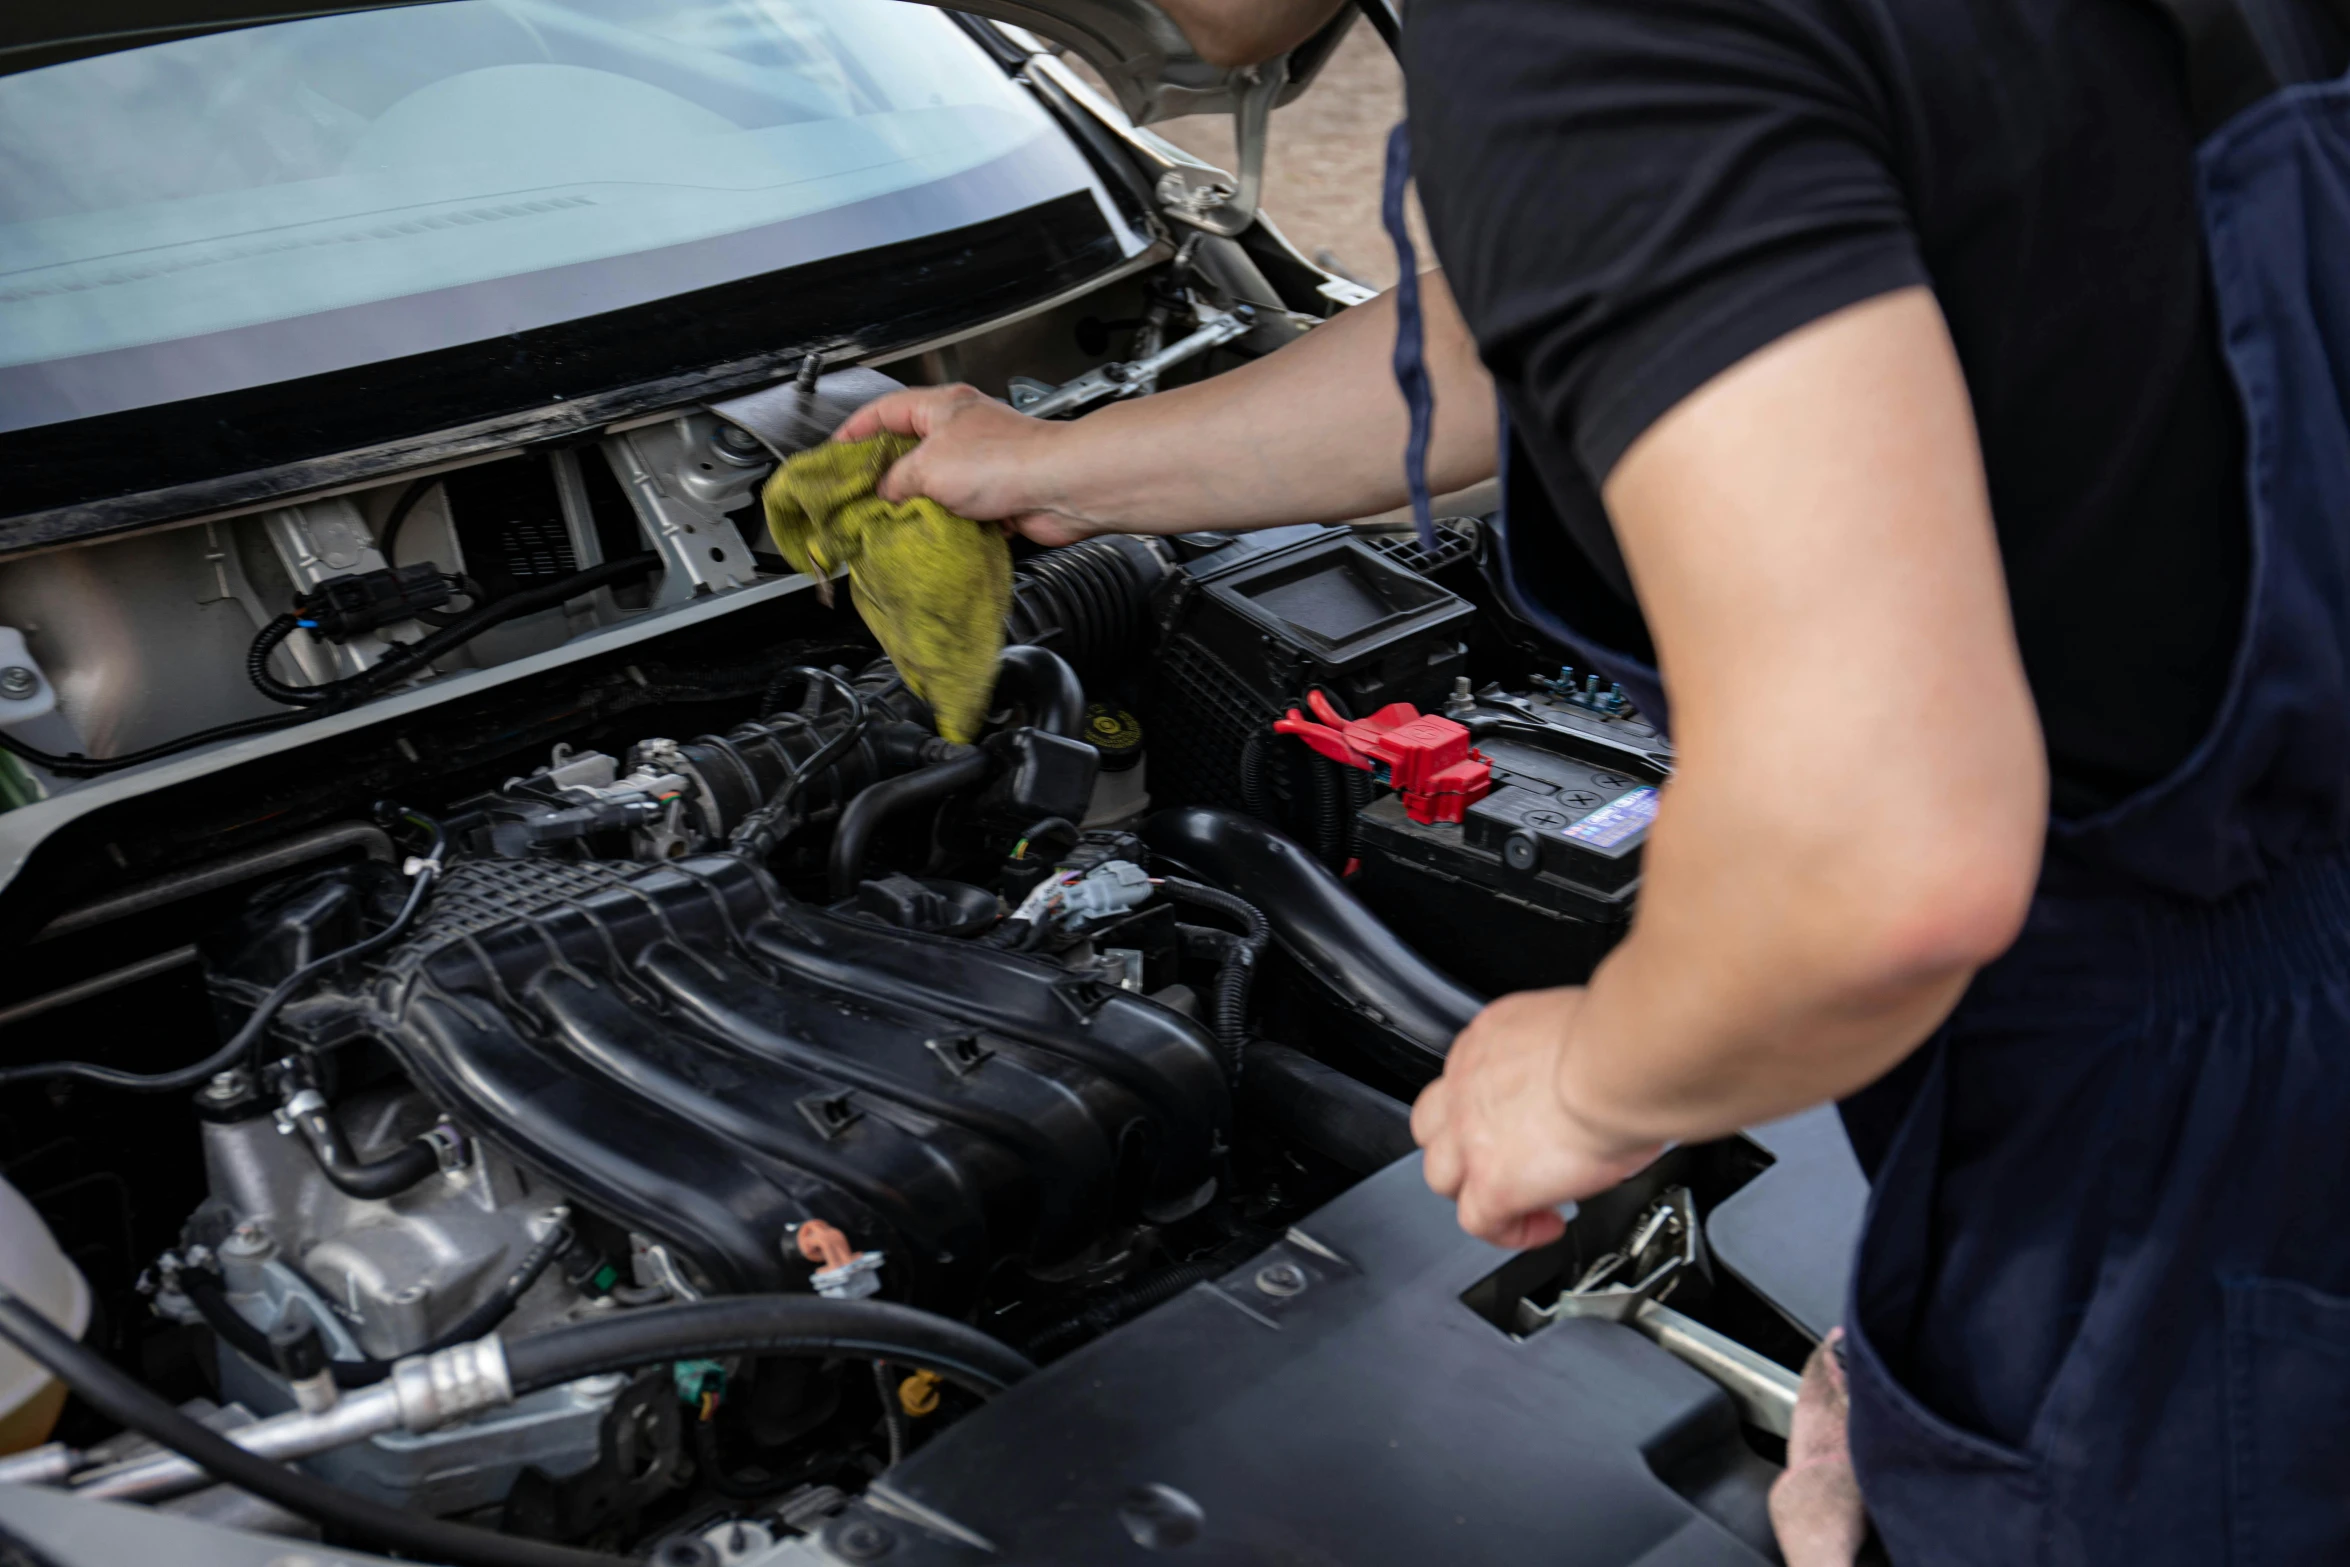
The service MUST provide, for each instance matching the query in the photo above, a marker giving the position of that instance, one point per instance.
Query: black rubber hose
(353, 1176)
(346, 1515)
(246, 1038)
(1403, 1008)
(1348, 1122)
(1098, 1317)
(797, 1325)
(1050, 687)
(852, 836)
(1090, 601)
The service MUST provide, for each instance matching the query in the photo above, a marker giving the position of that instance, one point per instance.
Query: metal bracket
(1204, 198)
(1663, 1245)
(684, 488)
(1131, 377)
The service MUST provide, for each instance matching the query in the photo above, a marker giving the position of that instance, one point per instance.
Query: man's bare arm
(1855, 822)
(1311, 433)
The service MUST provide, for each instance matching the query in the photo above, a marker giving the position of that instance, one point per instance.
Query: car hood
(1138, 50)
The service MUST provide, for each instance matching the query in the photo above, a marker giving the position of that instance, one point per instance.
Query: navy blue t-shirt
(1630, 196)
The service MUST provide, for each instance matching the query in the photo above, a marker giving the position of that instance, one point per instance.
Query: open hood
(1139, 51)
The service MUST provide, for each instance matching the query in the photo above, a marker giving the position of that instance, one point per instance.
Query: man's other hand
(1500, 1139)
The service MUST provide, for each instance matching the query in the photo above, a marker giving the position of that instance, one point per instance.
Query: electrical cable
(795, 1325)
(346, 1514)
(79, 766)
(265, 643)
(1229, 1007)
(387, 537)
(427, 871)
(758, 833)
(402, 658)
(893, 1419)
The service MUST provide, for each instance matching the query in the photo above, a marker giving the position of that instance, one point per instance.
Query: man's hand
(977, 457)
(1501, 1140)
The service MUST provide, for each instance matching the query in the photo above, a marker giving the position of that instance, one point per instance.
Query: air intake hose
(1088, 602)
(1413, 1007)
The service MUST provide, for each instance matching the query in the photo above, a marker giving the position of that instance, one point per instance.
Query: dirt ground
(1323, 165)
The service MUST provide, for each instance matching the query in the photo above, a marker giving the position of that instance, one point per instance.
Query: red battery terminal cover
(1425, 757)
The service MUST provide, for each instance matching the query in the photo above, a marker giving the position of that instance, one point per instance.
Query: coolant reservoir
(36, 1270)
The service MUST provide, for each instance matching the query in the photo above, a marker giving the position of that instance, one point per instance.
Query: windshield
(259, 205)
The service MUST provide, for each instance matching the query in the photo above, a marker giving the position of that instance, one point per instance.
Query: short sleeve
(1630, 196)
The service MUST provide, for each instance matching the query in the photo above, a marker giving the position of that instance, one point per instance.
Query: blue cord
(1411, 358)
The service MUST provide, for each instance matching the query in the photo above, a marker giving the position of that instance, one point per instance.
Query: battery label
(1617, 820)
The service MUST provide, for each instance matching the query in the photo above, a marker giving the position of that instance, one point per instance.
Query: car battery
(1260, 621)
(1536, 881)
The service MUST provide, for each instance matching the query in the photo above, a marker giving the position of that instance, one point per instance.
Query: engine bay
(651, 972)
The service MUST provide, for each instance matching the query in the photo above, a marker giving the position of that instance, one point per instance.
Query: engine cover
(685, 1049)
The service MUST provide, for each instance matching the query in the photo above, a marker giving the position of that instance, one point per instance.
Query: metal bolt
(246, 1240)
(1281, 1278)
(861, 1540)
(18, 683)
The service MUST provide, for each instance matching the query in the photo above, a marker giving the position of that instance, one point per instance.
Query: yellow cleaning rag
(934, 587)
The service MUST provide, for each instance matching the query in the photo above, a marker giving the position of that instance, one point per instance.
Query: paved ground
(1322, 168)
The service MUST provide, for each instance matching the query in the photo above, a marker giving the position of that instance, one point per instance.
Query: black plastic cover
(684, 1049)
(1335, 1400)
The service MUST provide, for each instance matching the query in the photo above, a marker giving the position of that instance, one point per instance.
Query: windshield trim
(273, 444)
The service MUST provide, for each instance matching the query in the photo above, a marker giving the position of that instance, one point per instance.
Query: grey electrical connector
(1112, 887)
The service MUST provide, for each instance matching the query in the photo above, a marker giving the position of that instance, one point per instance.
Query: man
(1862, 373)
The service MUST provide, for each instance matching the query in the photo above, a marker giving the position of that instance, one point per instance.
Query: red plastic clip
(1425, 757)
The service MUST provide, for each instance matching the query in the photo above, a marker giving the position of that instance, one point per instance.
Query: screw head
(17, 683)
(1281, 1278)
(862, 1540)
(1520, 853)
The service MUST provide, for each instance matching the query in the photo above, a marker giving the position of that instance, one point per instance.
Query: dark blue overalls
(2101, 1311)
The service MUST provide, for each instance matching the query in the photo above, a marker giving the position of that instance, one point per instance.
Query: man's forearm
(1312, 433)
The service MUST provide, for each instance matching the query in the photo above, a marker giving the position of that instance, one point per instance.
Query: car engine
(707, 971)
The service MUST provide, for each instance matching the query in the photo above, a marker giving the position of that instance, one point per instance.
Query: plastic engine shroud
(687, 1050)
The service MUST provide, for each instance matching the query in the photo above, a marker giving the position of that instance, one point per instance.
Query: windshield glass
(279, 201)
